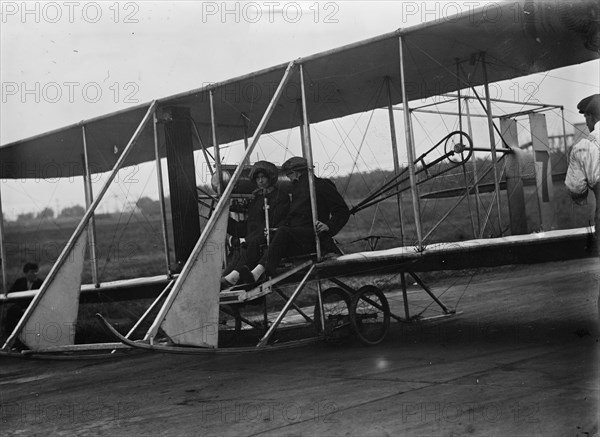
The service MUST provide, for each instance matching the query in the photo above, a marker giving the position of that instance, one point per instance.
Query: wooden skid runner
(195, 350)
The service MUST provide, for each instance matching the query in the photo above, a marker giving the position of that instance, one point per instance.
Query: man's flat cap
(590, 105)
(295, 163)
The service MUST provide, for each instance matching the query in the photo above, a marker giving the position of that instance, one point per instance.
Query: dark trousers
(288, 241)
(250, 256)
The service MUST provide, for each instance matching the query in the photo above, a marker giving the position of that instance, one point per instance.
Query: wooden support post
(464, 165)
(474, 167)
(307, 151)
(213, 124)
(396, 157)
(514, 180)
(410, 149)
(492, 143)
(89, 198)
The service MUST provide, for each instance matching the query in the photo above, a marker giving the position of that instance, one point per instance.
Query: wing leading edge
(518, 39)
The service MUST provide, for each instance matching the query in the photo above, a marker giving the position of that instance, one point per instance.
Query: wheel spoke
(370, 314)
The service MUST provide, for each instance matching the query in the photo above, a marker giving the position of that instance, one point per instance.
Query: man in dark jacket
(30, 281)
(296, 234)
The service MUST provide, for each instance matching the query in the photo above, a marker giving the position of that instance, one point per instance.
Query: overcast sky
(63, 62)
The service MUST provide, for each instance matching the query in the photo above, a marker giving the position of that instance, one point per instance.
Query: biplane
(387, 73)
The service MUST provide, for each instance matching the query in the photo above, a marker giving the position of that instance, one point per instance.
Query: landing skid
(447, 312)
(197, 350)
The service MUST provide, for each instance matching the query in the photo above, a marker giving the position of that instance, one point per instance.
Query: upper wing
(518, 39)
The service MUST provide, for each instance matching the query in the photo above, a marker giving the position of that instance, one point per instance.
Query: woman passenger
(264, 174)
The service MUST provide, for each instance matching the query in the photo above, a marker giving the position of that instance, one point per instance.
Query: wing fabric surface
(518, 39)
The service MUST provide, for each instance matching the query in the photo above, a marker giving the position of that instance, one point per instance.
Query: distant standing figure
(583, 173)
(28, 282)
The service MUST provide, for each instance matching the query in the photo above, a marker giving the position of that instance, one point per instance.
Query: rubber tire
(333, 294)
(376, 295)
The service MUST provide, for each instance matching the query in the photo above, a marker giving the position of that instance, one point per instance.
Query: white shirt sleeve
(576, 179)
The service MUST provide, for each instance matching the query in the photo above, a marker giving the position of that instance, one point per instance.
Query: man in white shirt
(583, 173)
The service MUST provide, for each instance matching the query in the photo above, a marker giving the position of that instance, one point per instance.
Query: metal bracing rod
(89, 197)
(204, 151)
(216, 145)
(529, 111)
(489, 210)
(302, 145)
(221, 204)
(428, 105)
(404, 295)
(80, 228)
(150, 308)
(515, 102)
(245, 120)
(307, 151)
(2, 248)
(161, 197)
(425, 166)
(564, 131)
(483, 149)
(425, 111)
(296, 307)
(321, 306)
(466, 194)
(410, 149)
(516, 114)
(473, 164)
(378, 195)
(396, 157)
(393, 182)
(464, 167)
(430, 293)
(486, 217)
(264, 340)
(492, 141)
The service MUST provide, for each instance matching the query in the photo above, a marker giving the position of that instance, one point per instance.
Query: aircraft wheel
(370, 314)
(336, 304)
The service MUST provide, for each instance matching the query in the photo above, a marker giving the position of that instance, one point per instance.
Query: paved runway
(521, 360)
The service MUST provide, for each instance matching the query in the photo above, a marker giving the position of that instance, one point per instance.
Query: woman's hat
(266, 167)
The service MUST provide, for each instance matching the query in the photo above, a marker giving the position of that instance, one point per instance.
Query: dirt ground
(521, 359)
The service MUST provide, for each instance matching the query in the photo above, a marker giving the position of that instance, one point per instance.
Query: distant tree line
(354, 187)
(71, 212)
